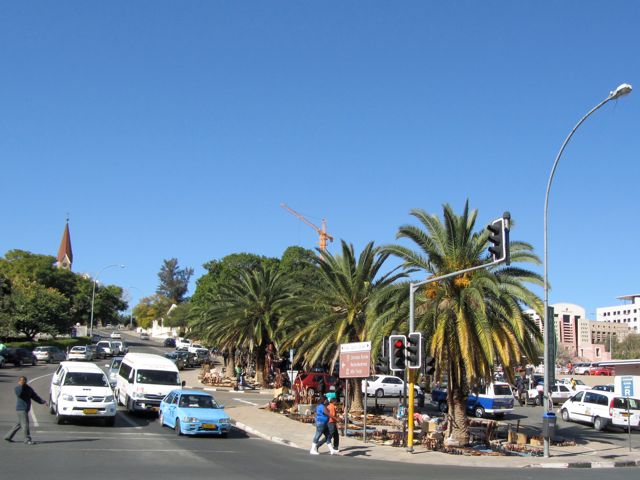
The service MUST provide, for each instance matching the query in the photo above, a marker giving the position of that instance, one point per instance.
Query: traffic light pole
(410, 410)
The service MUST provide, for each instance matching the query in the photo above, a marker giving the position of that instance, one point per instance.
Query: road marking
(246, 401)
(34, 419)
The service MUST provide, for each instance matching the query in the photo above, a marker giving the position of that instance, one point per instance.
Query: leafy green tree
(628, 348)
(5, 305)
(299, 265)
(342, 308)
(38, 309)
(472, 321)
(245, 313)
(174, 281)
(151, 308)
(179, 316)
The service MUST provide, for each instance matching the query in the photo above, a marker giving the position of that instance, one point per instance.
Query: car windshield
(502, 390)
(86, 379)
(197, 401)
(157, 377)
(116, 364)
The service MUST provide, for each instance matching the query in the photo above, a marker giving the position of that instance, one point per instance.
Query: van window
(502, 390)
(125, 370)
(86, 379)
(595, 398)
(620, 402)
(156, 377)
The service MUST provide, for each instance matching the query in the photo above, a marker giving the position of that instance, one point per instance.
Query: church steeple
(65, 254)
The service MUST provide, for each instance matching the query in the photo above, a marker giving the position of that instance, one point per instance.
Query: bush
(61, 343)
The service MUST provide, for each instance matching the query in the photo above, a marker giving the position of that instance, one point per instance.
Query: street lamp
(622, 90)
(93, 295)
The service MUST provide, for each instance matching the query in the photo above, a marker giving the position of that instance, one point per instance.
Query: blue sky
(176, 129)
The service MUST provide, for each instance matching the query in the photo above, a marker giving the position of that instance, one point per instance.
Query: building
(607, 333)
(65, 253)
(627, 314)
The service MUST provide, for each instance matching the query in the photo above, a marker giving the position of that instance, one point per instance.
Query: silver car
(49, 354)
(80, 352)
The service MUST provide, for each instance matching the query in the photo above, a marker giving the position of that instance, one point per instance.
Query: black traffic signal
(414, 350)
(382, 363)
(499, 238)
(397, 346)
(429, 365)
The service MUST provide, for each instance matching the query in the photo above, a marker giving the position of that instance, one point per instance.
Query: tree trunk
(458, 423)
(261, 376)
(230, 372)
(355, 395)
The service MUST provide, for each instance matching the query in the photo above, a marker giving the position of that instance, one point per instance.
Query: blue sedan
(193, 412)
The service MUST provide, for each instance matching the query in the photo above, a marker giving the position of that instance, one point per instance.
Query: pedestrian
(332, 425)
(322, 418)
(24, 394)
(573, 383)
(540, 389)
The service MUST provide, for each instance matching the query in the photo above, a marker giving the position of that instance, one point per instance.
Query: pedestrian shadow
(74, 440)
(355, 452)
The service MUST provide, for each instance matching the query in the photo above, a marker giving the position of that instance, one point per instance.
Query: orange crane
(324, 236)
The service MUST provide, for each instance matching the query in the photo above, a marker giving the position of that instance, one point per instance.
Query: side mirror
(56, 382)
(220, 405)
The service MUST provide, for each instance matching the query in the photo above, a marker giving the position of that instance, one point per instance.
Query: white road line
(34, 419)
(246, 401)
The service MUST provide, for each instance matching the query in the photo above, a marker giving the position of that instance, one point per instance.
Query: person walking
(332, 426)
(322, 418)
(24, 394)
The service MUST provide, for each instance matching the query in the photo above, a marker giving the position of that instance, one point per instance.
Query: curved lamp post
(93, 295)
(622, 90)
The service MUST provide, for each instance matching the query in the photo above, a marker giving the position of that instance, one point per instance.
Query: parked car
(169, 342)
(176, 358)
(596, 369)
(495, 399)
(144, 336)
(604, 388)
(19, 356)
(582, 368)
(107, 347)
(113, 369)
(194, 412)
(387, 386)
(601, 409)
(81, 391)
(189, 359)
(579, 386)
(115, 335)
(312, 382)
(559, 393)
(182, 342)
(2, 360)
(119, 347)
(80, 352)
(49, 354)
(97, 351)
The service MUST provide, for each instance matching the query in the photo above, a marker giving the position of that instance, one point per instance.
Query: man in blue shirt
(24, 394)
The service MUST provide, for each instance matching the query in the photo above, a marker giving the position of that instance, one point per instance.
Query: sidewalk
(280, 429)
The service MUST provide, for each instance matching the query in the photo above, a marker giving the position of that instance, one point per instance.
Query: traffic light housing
(414, 350)
(429, 365)
(499, 238)
(397, 352)
(382, 364)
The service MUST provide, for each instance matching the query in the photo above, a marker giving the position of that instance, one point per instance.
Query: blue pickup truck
(494, 399)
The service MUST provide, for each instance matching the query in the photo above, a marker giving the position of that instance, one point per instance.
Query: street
(138, 447)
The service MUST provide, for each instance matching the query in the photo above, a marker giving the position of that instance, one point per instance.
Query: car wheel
(537, 401)
(129, 405)
(60, 419)
(478, 412)
(178, 428)
(311, 392)
(442, 407)
(52, 409)
(33, 362)
(161, 419)
(565, 415)
(379, 393)
(49, 360)
(599, 424)
(224, 435)
(17, 363)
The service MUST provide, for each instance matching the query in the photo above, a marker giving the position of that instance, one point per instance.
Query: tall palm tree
(353, 294)
(245, 313)
(475, 320)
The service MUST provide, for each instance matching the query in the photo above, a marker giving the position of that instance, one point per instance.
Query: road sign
(355, 360)
(626, 384)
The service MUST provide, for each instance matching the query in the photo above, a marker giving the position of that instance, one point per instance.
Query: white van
(601, 409)
(144, 379)
(81, 390)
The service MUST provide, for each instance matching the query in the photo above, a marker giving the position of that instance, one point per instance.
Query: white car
(182, 342)
(559, 394)
(80, 352)
(387, 386)
(81, 390)
(582, 368)
(107, 346)
(115, 335)
(580, 386)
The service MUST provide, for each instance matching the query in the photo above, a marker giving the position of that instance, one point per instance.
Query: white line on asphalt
(246, 401)
(33, 415)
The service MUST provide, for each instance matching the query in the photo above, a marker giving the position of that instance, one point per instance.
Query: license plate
(209, 426)
(90, 411)
(155, 409)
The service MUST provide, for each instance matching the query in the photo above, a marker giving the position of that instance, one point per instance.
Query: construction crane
(324, 236)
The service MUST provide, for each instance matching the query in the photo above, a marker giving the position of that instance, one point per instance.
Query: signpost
(626, 388)
(355, 362)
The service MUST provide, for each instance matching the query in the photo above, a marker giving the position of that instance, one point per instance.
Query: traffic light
(429, 365)
(414, 350)
(397, 346)
(382, 364)
(499, 237)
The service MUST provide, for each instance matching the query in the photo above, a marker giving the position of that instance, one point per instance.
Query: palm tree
(353, 294)
(245, 313)
(475, 320)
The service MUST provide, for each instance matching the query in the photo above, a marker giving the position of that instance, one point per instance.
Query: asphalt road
(137, 447)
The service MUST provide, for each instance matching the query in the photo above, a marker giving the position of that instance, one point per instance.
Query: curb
(621, 464)
(255, 432)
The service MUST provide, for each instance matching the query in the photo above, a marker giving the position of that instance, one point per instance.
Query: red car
(600, 370)
(313, 382)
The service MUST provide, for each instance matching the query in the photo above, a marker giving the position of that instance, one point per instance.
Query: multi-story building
(627, 314)
(607, 333)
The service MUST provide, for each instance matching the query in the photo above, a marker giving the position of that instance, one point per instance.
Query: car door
(172, 410)
(575, 407)
(392, 386)
(56, 385)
